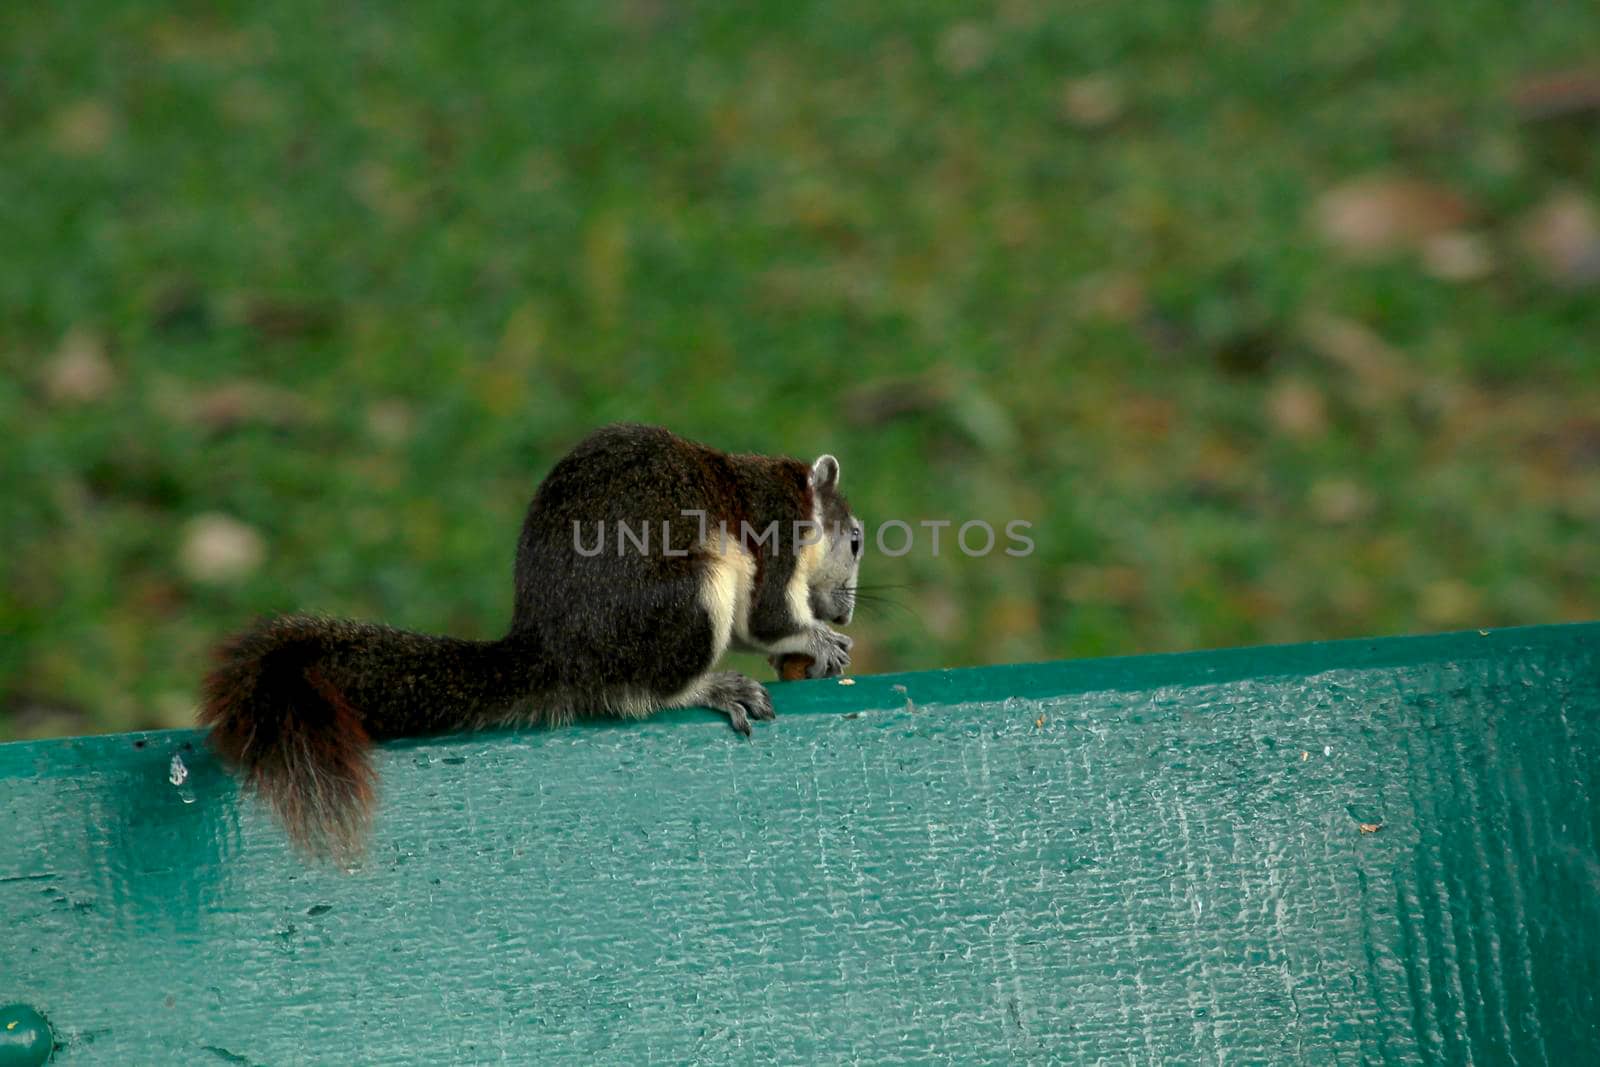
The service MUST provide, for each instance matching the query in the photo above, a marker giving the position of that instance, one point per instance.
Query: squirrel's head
(833, 579)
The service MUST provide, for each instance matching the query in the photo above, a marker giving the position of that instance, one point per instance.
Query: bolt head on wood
(25, 1038)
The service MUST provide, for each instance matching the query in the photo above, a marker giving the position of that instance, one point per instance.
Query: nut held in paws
(793, 667)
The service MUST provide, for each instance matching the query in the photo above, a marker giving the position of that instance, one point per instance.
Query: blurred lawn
(299, 301)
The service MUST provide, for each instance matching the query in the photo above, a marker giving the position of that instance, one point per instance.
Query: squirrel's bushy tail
(294, 738)
(295, 703)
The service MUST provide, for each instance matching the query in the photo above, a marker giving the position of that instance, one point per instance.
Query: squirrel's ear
(825, 473)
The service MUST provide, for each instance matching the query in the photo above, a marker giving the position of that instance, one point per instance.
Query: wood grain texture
(1146, 860)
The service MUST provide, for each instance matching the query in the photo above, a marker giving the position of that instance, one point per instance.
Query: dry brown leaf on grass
(877, 402)
(1298, 409)
(385, 192)
(1449, 602)
(79, 372)
(1115, 296)
(965, 47)
(1340, 501)
(1458, 256)
(1378, 367)
(1377, 214)
(940, 613)
(1558, 95)
(391, 421)
(237, 403)
(1114, 584)
(277, 318)
(1562, 238)
(1092, 102)
(83, 129)
(228, 405)
(218, 549)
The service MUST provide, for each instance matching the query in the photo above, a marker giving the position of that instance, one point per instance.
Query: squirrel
(643, 558)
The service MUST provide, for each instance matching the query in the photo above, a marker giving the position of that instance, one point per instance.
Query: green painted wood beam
(1158, 859)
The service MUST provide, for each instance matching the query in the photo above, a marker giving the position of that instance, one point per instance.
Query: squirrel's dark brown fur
(295, 703)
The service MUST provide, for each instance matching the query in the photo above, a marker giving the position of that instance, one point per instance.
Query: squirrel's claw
(830, 652)
(740, 697)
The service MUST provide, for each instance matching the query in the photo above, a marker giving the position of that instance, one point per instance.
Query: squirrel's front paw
(740, 697)
(829, 651)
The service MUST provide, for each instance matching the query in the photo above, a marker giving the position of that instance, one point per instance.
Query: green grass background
(432, 246)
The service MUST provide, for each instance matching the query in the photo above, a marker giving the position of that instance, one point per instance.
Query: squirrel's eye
(855, 541)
